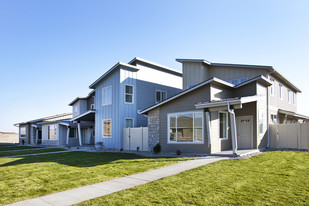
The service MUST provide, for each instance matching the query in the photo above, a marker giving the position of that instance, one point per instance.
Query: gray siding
(194, 73)
(182, 104)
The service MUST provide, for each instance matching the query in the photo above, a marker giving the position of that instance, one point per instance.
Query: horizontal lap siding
(183, 104)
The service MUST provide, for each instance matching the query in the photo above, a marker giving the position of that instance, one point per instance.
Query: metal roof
(57, 116)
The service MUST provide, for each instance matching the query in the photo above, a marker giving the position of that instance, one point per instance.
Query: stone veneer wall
(153, 128)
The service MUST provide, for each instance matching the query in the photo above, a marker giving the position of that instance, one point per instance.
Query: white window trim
(281, 91)
(227, 125)
(25, 132)
(168, 127)
(126, 119)
(161, 91)
(129, 94)
(111, 95)
(272, 88)
(107, 137)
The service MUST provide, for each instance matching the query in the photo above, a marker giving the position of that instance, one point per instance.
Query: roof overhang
(116, 66)
(87, 116)
(37, 121)
(293, 114)
(81, 98)
(220, 103)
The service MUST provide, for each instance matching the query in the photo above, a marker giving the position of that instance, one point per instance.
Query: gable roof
(80, 98)
(260, 78)
(131, 65)
(271, 70)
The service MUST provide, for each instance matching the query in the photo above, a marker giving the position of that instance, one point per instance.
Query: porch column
(68, 134)
(36, 135)
(208, 128)
(233, 130)
(79, 134)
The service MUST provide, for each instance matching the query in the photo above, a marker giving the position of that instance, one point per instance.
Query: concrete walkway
(84, 193)
(24, 155)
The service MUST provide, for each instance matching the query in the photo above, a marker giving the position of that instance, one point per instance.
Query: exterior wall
(26, 139)
(90, 101)
(109, 112)
(262, 108)
(81, 107)
(182, 104)
(246, 90)
(194, 73)
(155, 75)
(153, 128)
(217, 144)
(218, 92)
(45, 140)
(277, 103)
(229, 73)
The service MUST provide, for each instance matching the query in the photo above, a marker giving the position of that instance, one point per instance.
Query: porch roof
(73, 124)
(225, 102)
(87, 116)
(293, 114)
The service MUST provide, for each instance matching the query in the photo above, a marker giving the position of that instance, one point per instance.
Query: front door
(87, 136)
(244, 132)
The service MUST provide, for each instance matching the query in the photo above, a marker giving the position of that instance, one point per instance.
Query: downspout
(268, 113)
(233, 128)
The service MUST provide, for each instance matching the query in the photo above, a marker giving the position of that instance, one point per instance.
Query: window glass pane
(107, 96)
(163, 96)
(107, 128)
(23, 131)
(158, 97)
(52, 132)
(129, 98)
(128, 123)
(223, 125)
(129, 89)
(185, 127)
(198, 127)
(172, 132)
(72, 133)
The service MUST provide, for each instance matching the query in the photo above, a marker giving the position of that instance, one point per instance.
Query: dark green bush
(157, 148)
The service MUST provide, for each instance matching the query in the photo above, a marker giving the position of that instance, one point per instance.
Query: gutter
(233, 128)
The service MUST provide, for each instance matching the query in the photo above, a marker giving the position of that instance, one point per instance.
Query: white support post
(36, 135)
(79, 135)
(233, 128)
(208, 128)
(68, 133)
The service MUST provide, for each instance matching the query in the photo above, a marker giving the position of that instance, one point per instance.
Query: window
(191, 85)
(23, 132)
(294, 97)
(160, 96)
(107, 95)
(128, 123)
(261, 124)
(223, 125)
(72, 133)
(289, 96)
(273, 118)
(238, 80)
(107, 128)
(280, 91)
(272, 87)
(185, 127)
(128, 94)
(52, 132)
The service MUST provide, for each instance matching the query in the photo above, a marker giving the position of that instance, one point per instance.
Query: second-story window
(107, 95)
(128, 94)
(272, 87)
(160, 96)
(280, 91)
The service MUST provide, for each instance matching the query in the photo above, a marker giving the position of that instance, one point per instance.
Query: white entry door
(244, 132)
(87, 136)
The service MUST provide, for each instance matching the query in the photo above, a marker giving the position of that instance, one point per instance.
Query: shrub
(23, 141)
(157, 148)
(178, 152)
(121, 149)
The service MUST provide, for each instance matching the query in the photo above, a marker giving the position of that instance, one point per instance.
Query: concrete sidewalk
(84, 193)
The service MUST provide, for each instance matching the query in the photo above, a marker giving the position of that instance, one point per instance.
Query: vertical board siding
(108, 112)
(194, 73)
(262, 107)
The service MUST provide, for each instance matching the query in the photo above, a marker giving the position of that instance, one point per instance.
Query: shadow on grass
(84, 159)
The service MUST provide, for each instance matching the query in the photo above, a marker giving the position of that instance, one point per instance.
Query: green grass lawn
(29, 151)
(14, 147)
(32, 176)
(272, 178)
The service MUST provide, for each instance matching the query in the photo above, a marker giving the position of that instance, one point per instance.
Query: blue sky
(51, 51)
